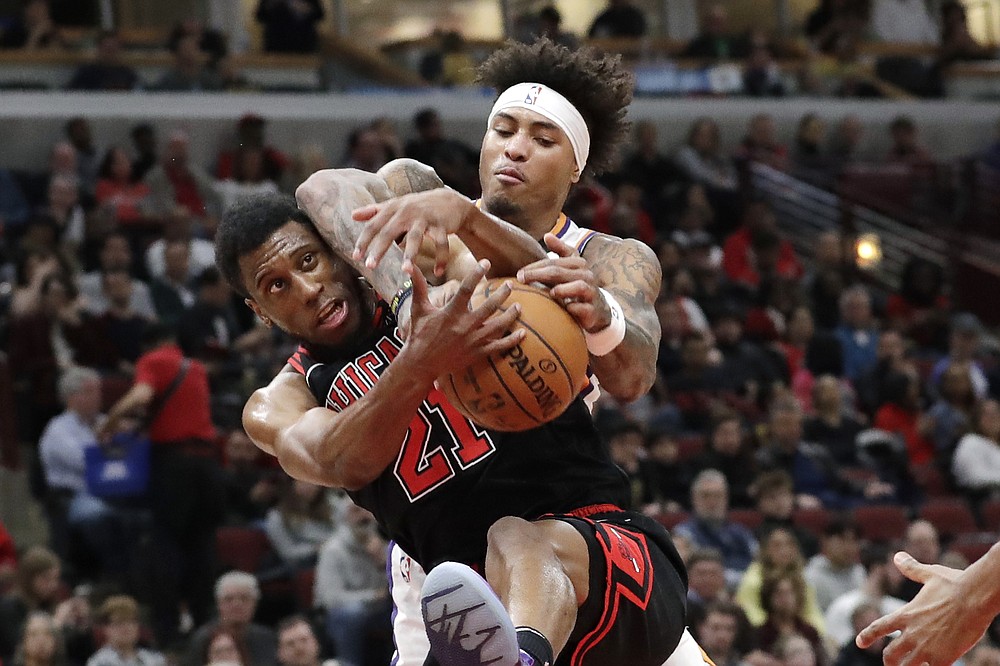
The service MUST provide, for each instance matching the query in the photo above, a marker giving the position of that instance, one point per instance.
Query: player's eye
(276, 285)
(503, 131)
(308, 259)
(545, 141)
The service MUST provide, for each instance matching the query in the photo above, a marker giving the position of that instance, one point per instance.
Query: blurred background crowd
(828, 375)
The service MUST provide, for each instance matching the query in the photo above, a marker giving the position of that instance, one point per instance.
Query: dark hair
(704, 555)
(155, 334)
(109, 155)
(840, 526)
(770, 585)
(768, 482)
(902, 123)
(245, 227)
(424, 118)
(873, 555)
(293, 620)
(209, 277)
(594, 82)
(238, 641)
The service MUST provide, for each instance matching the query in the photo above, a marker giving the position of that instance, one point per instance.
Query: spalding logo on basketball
(535, 381)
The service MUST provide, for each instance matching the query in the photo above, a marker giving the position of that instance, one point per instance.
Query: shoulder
(604, 245)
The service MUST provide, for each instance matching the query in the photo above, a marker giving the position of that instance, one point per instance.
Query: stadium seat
(672, 519)
(973, 546)
(749, 518)
(814, 520)
(951, 516)
(689, 447)
(241, 548)
(885, 522)
(303, 582)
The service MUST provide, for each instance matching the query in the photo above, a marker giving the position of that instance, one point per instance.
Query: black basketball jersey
(453, 479)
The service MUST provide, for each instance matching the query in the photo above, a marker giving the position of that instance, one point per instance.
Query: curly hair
(594, 82)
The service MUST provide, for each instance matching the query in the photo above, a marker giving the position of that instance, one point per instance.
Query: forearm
(352, 448)
(628, 372)
(507, 247)
(978, 586)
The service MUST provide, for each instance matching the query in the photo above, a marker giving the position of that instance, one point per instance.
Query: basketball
(535, 381)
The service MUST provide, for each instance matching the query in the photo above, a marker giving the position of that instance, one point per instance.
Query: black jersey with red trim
(453, 479)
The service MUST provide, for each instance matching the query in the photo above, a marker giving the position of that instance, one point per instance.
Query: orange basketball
(535, 381)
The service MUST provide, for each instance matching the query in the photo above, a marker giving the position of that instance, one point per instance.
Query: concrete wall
(31, 122)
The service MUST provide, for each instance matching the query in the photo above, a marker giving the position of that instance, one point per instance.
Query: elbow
(630, 386)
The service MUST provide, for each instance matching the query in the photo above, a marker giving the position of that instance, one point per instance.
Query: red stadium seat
(749, 518)
(672, 519)
(689, 447)
(814, 520)
(951, 516)
(241, 548)
(990, 513)
(885, 522)
(973, 546)
(303, 583)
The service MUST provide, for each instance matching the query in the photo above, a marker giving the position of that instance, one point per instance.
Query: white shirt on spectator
(904, 22)
(107, 656)
(830, 582)
(231, 191)
(61, 451)
(839, 628)
(201, 256)
(96, 303)
(976, 464)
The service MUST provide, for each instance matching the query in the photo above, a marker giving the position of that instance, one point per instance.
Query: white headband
(549, 103)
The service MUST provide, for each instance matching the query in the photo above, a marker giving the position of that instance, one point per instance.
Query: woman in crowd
(116, 192)
(41, 642)
(951, 413)
(301, 522)
(976, 464)
(783, 599)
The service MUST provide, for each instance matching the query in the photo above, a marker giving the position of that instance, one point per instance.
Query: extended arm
(947, 617)
(139, 397)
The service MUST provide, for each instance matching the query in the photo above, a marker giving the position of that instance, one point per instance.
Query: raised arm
(352, 447)
(623, 341)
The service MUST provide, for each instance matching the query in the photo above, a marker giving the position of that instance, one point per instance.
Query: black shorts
(635, 612)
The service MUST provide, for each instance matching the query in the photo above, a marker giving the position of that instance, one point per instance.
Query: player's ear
(575, 178)
(252, 304)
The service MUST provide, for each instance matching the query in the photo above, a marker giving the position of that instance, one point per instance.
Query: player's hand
(450, 337)
(329, 196)
(571, 283)
(435, 213)
(938, 625)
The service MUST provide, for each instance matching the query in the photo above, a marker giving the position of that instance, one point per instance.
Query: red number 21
(419, 468)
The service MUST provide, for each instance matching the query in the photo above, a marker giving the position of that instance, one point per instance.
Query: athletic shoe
(466, 623)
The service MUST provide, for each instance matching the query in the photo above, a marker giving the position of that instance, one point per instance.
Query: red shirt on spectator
(187, 414)
(185, 189)
(125, 198)
(739, 266)
(8, 554)
(903, 422)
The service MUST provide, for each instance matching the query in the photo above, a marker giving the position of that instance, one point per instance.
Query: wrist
(607, 339)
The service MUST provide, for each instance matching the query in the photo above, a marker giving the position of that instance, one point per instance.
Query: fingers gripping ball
(535, 381)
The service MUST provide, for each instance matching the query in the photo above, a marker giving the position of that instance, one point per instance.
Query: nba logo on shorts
(404, 568)
(532, 95)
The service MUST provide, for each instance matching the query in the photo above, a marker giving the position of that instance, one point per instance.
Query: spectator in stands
(8, 559)
(550, 26)
(728, 452)
(365, 150)
(189, 70)
(177, 182)
(290, 25)
(123, 326)
(701, 158)
(300, 523)
(976, 464)
(761, 144)
(710, 528)
(200, 252)
(173, 292)
(651, 170)
(41, 643)
(903, 22)
(698, 386)
(392, 145)
(452, 160)
(817, 478)
(107, 72)
(880, 578)
(890, 357)
(833, 425)
(779, 554)
(34, 267)
(665, 478)
(835, 22)
(251, 485)
(716, 632)
(952, 412)
(846, 142)
(620, 19)
(625, 441)
(799, 331)
(748, 368)
(857, 332)
(249, 177)
(715, 42)
(63, 207)
(739, 259)
(80, 135)
(626, 218)
(126, 201)
(72, 510)
(784, 599)
(351, 586)
(919, 310)
(119, 615)
(775, 495)
(706, 583)
(185, 489)
(964, 340)
(850, 654)
(224, 646)
(115, 255)
(36, 589)
(900, 413)
(13, 205)
(808, 159)
(250, 132)
(212, 42)
(236, 597)
(297, 644)
(144, 143)
(923, 543)
(61, 161)
(34, 30)
(836, 569)
(761, 74)
(906, 146)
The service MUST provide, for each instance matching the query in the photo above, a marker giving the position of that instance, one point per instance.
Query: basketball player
(528, 164)
(948, 616)
(356, 408)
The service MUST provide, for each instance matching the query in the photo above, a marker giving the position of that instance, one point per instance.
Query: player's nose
(517, 146)
(309, 288)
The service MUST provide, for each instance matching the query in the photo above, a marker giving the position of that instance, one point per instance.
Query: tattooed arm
(629, 271)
